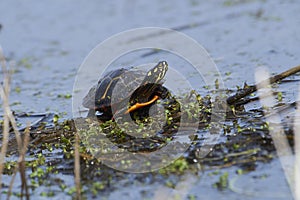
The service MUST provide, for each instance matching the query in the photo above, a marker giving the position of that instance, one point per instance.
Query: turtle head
(157, 73)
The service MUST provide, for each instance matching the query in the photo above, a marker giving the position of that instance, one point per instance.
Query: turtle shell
(99, 95)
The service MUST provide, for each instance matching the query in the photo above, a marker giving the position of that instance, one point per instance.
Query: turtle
(133, 86)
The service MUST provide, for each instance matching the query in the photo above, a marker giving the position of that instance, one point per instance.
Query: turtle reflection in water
(149, 90)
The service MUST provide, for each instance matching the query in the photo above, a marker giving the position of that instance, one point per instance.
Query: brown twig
(250, 89)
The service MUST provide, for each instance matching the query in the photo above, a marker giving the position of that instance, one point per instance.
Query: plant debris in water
(244, 141)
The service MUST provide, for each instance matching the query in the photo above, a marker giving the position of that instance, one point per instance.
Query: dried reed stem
(5, 133)
(21, 167)
(8, 117)
(22, 163)
(77, 167)
(283, 149)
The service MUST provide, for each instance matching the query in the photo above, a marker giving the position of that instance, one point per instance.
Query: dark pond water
(46, 42)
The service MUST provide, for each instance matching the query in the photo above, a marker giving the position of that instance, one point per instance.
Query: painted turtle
(126, 86)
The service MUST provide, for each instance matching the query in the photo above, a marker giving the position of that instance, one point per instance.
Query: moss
(26, 62)
(47, 194)
(192, 197)
(240, 171)
(179, 166)
(217, 84)
(279, 96)
(228, 73)
(9, 167)
(97, 186)
(65, 96)
(223, 181)
(18, 89)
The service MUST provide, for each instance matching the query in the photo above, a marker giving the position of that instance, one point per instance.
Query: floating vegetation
(223, 181)
(66, 96)
(244, 141)
(186, 128)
